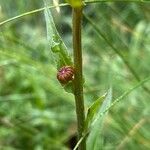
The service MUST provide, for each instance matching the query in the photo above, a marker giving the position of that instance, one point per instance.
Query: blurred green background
(36, 113)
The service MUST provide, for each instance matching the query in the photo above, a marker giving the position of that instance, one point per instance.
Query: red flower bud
(65, 74)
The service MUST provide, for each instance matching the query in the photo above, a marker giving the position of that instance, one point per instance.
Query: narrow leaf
(58, 49)
(92, 110)
(93, 140)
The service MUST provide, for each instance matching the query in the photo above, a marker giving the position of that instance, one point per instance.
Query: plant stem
(78, 78)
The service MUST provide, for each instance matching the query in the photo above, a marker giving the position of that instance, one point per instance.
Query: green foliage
(36, 113)
(58, 48)
(94, 138)
(92, 110)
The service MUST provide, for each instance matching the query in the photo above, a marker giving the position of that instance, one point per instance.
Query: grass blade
(30, 13)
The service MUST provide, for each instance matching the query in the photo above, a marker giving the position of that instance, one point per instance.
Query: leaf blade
(58, 48)
(92, 140)
(92, 111)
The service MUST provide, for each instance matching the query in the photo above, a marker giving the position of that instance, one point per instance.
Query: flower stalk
(78, 77)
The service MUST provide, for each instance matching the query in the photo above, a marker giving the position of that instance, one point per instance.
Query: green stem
(78, 78)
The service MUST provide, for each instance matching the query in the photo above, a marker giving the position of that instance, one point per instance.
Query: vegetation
(39, 113)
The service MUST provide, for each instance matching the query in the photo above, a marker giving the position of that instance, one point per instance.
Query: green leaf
(92, 110)
(102, 113)
(94, 138)
(75, 3)
(58, 49)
